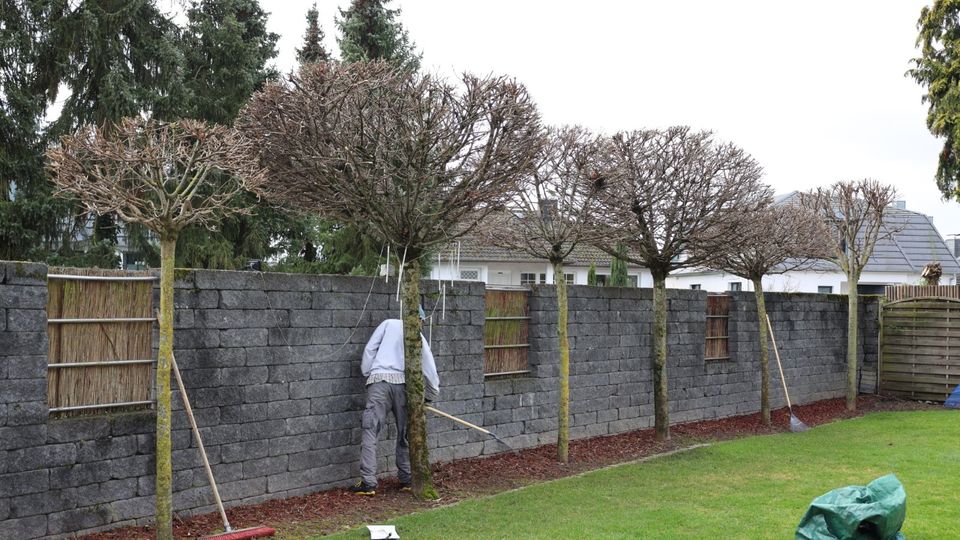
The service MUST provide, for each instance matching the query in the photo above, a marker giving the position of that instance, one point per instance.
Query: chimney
(900, 205)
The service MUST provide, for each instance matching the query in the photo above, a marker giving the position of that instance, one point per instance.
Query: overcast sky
(814, 90)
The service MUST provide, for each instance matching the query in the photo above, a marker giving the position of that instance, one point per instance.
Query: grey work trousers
(381, 398)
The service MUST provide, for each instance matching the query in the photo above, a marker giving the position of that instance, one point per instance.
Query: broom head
(243, 534)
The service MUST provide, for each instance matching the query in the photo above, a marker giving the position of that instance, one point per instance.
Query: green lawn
(757, 487)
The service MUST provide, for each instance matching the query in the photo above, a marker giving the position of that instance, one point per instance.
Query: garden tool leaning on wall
(230, 533)
(796, 425)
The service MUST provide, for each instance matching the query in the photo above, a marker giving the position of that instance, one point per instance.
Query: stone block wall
(271, 363)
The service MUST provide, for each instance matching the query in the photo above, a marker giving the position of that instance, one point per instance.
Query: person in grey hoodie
(383, 367)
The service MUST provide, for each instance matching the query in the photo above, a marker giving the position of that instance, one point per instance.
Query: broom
(229, 532)
(796, 425)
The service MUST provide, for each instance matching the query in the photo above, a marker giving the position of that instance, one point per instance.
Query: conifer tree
(114, 59)
(591, 275)
(313, 49)
(618, 269)
(30, 217)
(226, 50)
(370, 31)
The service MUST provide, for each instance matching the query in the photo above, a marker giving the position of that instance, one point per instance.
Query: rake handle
(203, 452)
(776, 353)
(458, 420)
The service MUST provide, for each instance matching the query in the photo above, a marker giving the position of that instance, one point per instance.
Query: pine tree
(115, 60)
(226, 49)
(313, 50)
(370, 31)
(29, 215)
(591, 275)
(618, 269)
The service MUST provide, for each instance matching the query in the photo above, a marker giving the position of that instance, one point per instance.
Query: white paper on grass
(379, 532)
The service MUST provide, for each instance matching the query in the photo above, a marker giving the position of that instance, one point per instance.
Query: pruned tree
(854, 213)
(773, 240)
(163, 176)
(418, 160)
(548, 221)
(672, 196)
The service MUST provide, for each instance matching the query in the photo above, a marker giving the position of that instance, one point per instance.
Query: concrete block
(26, 413)
(248, 299)
(23, 344)
(16, 298)
(24, 483)
(310, 318)
(258, 393)
(24, 528)
(243, 337)
(26, 320)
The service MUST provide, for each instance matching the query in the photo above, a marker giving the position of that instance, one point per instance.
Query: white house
(896, 260)
(500, 266)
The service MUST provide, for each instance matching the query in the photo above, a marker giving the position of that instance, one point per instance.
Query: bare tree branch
(420, 160)
(547, 220)
(676, 195)
(163, 175)
(854, 213)
(417, 160)
(772, 240)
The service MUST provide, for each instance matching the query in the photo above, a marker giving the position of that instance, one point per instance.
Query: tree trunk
(413, 376)
(658, 357)
(164, 494)
(563, 427)
(852, 314)
(764, 353)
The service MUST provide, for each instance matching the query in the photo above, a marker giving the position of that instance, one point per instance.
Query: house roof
(472, 250)
(913, 246)
(916, 243)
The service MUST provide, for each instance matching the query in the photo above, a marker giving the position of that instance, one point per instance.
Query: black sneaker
(406, 488)
(363, 488)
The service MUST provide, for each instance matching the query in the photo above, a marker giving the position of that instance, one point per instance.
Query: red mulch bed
(329, 511)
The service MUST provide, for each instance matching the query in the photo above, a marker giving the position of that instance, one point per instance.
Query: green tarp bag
(872, 512)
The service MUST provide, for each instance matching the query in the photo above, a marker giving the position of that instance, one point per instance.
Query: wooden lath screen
(905, 292)
(920, 348)
(98, 358)
(506, 332)
(718, 323)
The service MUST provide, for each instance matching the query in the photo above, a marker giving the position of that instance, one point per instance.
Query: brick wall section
(271, 362)
(25, 491)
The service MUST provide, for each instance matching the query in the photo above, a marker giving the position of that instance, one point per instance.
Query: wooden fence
(505, 332)
(920, 348)
(100, 327)
(904, 292)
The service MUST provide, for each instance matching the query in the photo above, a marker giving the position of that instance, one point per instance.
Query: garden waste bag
(872, 512)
